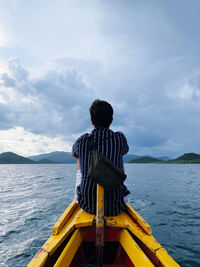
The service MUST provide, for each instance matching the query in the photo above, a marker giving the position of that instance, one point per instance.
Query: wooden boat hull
(128, 241)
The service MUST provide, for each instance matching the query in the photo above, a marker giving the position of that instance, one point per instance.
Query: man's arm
(74, 155)
(75, 149)
(125, 144)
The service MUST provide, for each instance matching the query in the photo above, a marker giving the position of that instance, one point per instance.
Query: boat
(82, 239)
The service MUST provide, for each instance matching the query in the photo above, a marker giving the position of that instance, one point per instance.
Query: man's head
(101, 113)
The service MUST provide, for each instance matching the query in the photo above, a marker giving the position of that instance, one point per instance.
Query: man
(113, 145)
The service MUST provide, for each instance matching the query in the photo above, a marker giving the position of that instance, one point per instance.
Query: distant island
(146, 159)
(187, 158)
(12, 158)
(50, 158)
(57, 157)
(60, 157)
(54, 157)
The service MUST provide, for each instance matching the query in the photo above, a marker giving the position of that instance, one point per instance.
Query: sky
(57, 57)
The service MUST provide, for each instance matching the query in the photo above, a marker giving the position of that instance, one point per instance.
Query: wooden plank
(134, 252)
(165, 258)
(64, 218)
(136, 216)
(70, 250)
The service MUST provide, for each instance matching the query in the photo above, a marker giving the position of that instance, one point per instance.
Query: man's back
(112, 145)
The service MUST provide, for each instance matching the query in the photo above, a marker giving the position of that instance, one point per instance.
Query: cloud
(7, 81)
(17, 71)
(142, 56)
(55, 102)
(4, 117)
(26, 143)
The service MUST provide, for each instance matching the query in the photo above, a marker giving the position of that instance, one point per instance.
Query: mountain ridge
(186, 158)
(57, 157)
(10, 158)
(145, 159)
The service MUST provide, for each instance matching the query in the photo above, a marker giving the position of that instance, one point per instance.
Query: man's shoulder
(119, 134)
(82, 137)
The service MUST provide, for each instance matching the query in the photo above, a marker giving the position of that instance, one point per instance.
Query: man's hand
(74, 155)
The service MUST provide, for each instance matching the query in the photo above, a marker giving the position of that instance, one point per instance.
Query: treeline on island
(184, 159)
(49, 158)
(58, 157)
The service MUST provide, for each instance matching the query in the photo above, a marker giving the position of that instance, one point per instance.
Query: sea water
(32, 197)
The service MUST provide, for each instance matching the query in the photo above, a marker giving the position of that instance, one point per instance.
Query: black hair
(101, 113)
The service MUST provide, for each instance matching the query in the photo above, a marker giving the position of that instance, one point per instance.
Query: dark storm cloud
(56, 102)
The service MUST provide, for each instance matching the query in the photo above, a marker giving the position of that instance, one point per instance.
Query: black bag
(104, 171)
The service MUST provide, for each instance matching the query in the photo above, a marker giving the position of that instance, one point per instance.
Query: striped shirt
(113, 145)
